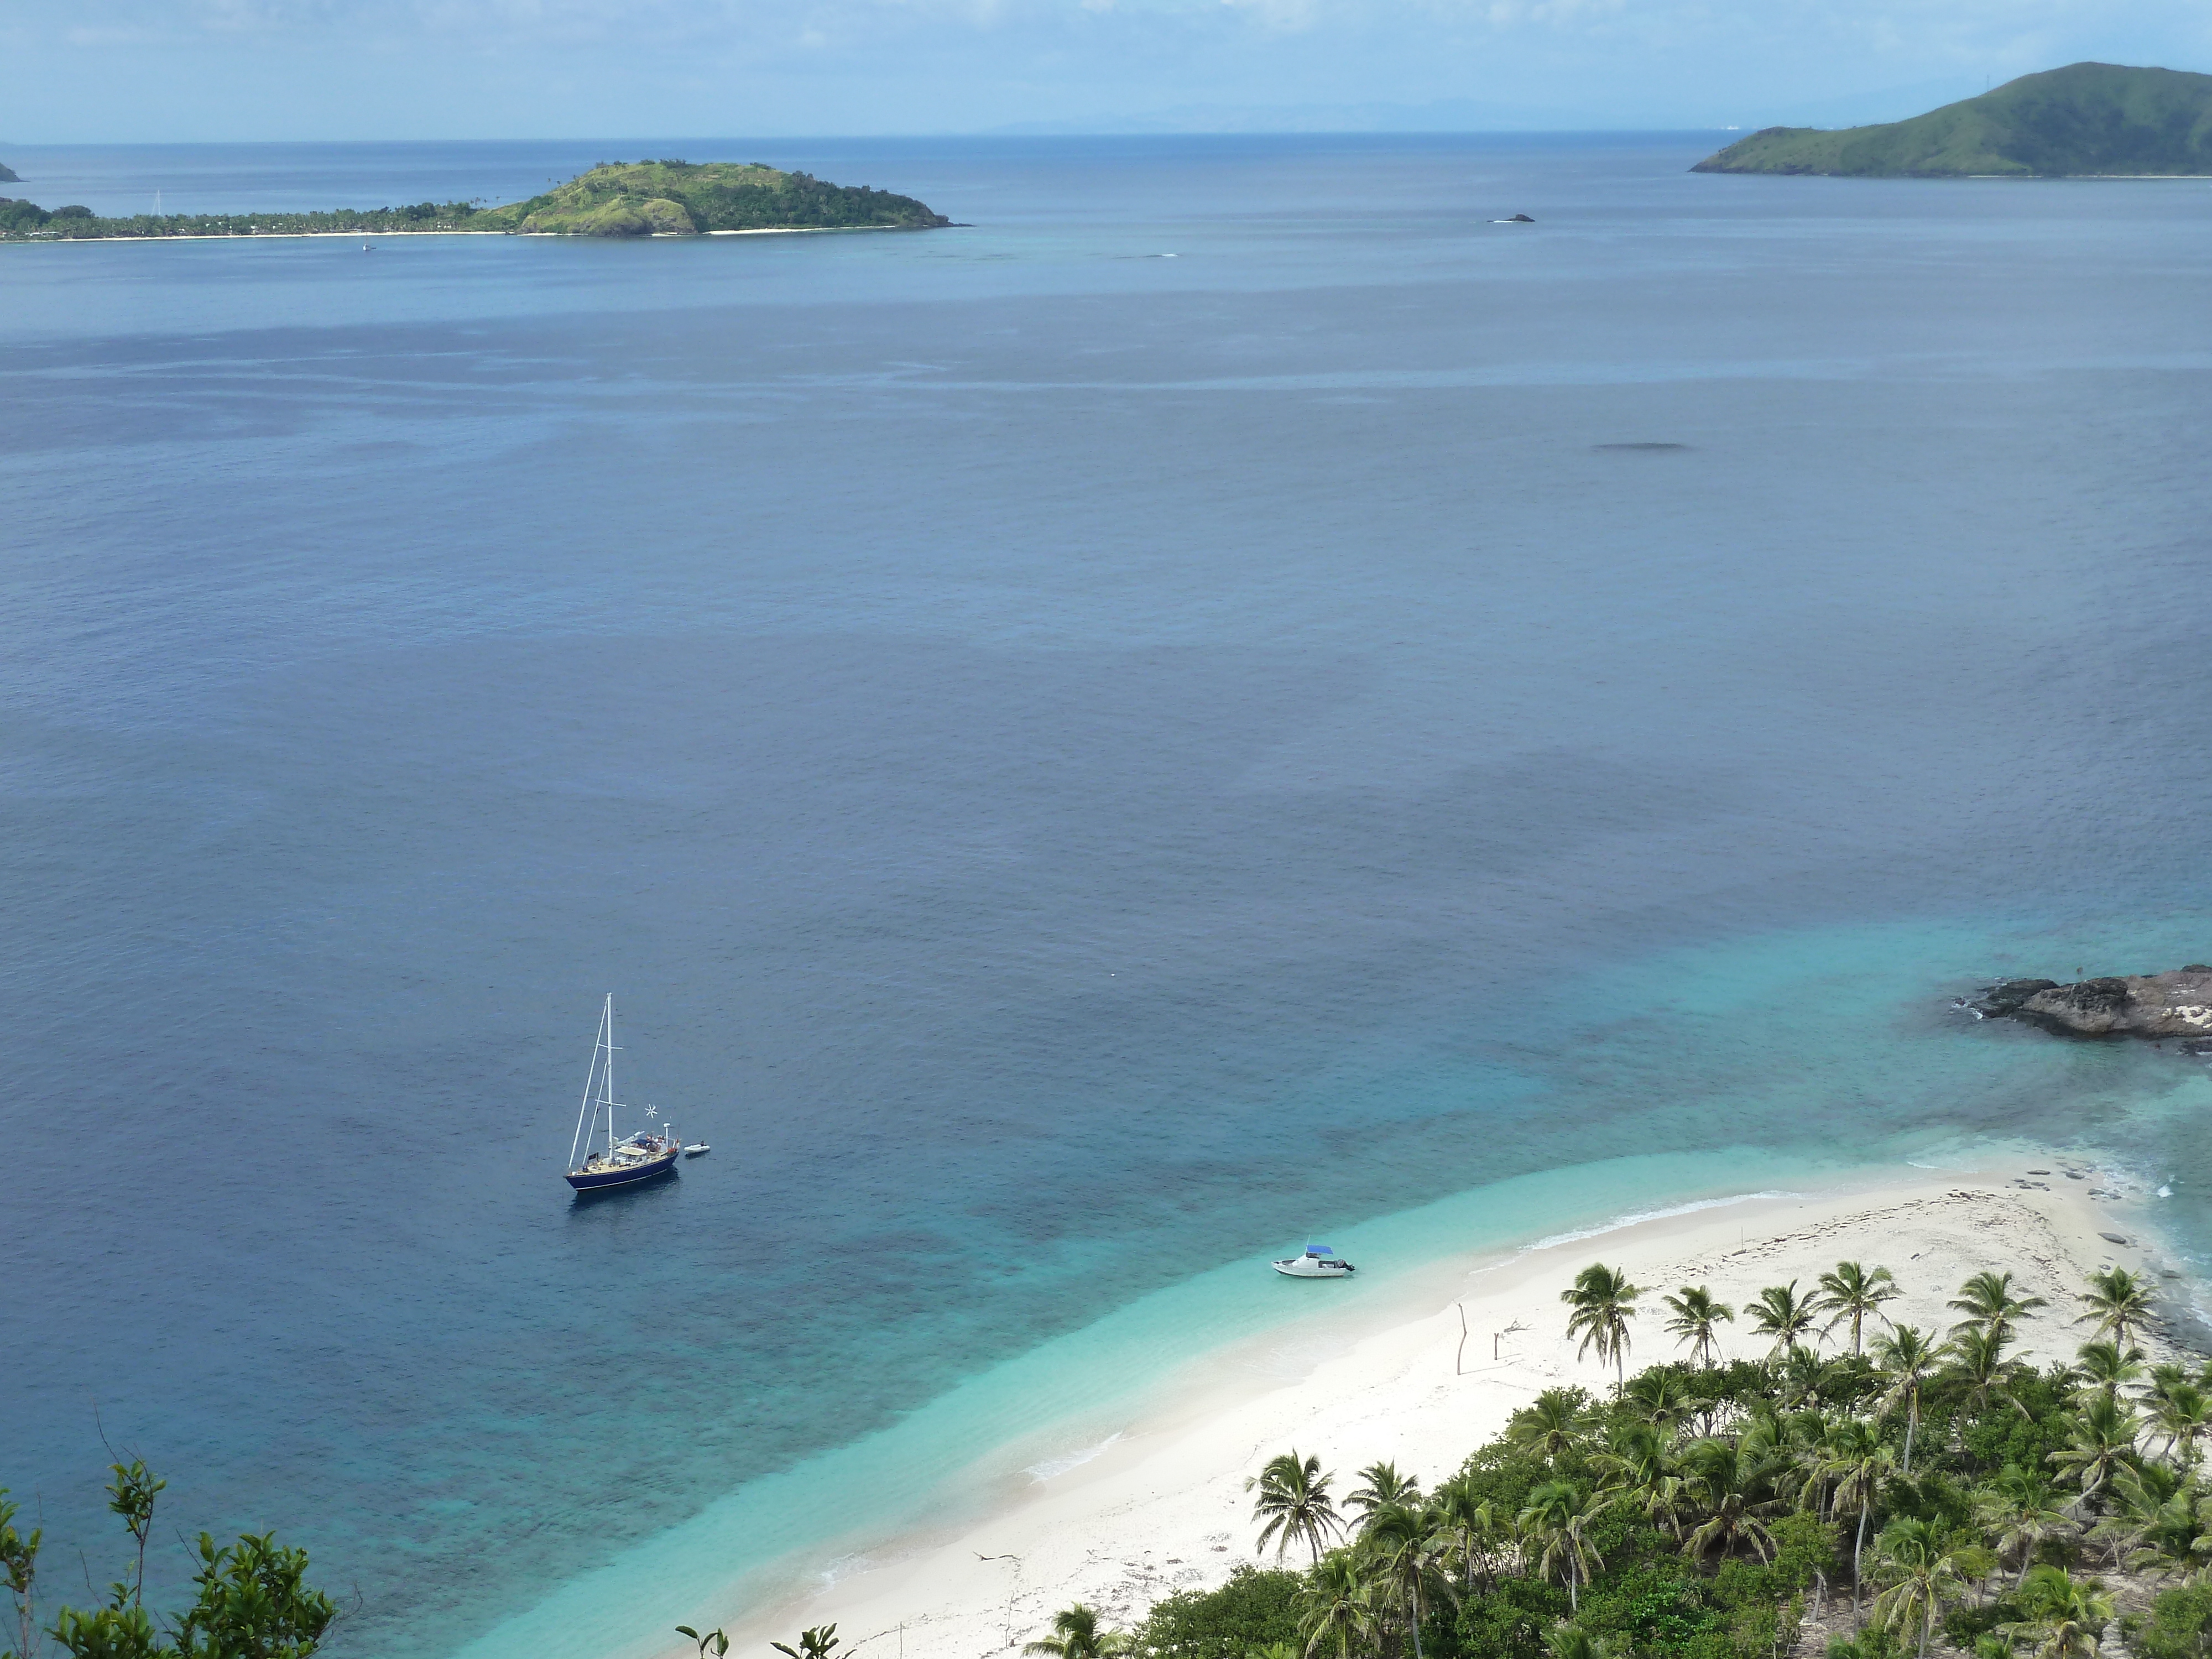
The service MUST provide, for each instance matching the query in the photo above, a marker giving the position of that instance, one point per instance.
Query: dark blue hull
(599, 1180)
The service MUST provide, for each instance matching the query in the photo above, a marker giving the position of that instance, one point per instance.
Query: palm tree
(1383, 1485)
(2065, 1617)
(1400, 1550)
(1859, 1464)
(1733, 1486)
(1554, 1422)
(1800, 1378)
(2116, 1300)
(1075, 1635)
(1800, 1446)
(1852, 1293)
(1603, 1302)
(2158, 1515)
(1294, 1502)
(1977, 1372)
(1638, 1465)
(1780, 1313)
(2181, 1414)
(1919, 1574)
(2164, 1379)
(1558, 1521)
(1660, 1398)
(1988, 1301)
(1698, 1316)
(1467, 1523)
(2105, 1368)
(1335, 1610)
(1908, 1361)
(2103, 1440)
(2021, 1508)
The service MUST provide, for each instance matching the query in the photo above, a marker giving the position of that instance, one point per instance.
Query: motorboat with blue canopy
(1317, 1261)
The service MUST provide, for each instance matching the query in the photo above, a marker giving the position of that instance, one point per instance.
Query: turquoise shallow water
(1078, 767)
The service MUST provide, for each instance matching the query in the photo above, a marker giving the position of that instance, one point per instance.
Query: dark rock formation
(2171, 1005)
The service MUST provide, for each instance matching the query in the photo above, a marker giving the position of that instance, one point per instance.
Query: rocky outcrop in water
(2170, 1005)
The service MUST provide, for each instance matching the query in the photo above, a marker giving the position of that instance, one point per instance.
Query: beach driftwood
(2177, 1004)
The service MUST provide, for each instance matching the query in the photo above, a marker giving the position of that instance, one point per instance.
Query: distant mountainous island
(615, 198)
(2085, 121)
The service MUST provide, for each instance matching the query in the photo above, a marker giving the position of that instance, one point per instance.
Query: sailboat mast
(607, 1077)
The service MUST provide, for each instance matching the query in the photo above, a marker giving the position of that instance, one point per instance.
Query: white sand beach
(1163, 1507)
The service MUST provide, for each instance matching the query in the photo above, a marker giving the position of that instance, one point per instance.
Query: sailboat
(595, 1162)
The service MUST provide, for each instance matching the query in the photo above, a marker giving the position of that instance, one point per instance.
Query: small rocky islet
(2176, 1004)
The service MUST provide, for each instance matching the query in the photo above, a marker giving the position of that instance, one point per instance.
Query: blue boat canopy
(1319, 1249)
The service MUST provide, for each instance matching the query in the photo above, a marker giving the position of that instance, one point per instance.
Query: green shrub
(2180, 1625)
(1510, 1622)
(1503, 1476)
(1872, 1643)
(1255, 1608)
(1655, 1606)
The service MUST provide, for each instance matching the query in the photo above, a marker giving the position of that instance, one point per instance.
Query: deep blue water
(1078, 766)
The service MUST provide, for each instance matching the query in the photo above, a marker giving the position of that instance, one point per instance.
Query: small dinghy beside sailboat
(1318, 1262)
(595, 1164)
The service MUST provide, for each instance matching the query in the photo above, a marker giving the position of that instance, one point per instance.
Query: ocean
(1228, 700)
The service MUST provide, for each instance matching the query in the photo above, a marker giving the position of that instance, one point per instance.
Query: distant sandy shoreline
(1161, 1506)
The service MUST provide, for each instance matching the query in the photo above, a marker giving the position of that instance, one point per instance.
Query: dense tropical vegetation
(631, 199)
(27, 221)
(615, 198)
(2086, 120)
(251, 1600)
(1894, 1493)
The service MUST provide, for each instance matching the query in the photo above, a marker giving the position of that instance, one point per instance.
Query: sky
(183, 70)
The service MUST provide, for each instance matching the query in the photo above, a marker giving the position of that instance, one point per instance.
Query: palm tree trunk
(1857, 1546)
(1911, 1422)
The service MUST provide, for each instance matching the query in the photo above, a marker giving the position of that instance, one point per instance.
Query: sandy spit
(1162, 1506)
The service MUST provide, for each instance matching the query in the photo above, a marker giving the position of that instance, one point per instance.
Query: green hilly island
(2085, 121)
(616, 198)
